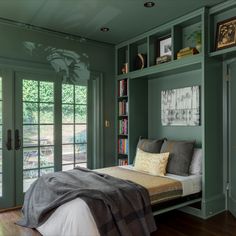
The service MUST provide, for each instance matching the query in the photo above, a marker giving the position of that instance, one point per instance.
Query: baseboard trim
(213, 206)
(232, 206)
(192, 211)
(10, 209)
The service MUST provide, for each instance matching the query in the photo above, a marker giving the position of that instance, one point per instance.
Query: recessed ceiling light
(104, 29)
(149, 4)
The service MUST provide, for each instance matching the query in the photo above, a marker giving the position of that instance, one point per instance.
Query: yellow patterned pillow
(153, 163)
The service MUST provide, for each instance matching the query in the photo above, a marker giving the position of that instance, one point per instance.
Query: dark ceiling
(125, 18)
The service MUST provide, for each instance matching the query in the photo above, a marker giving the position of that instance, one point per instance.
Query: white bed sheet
(74, 218)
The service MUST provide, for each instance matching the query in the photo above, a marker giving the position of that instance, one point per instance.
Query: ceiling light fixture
(104, 29)
(149, 4)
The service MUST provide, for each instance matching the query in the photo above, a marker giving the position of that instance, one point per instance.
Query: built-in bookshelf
(122, 121)
(139, 108)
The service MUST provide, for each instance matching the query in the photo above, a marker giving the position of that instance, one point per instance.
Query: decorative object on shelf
(140, 61)
(163, 50)
(125, 68)
(226, 33)
(181, 107)
(163, 59)
(164, 46)
(195, 39)
(186, 52)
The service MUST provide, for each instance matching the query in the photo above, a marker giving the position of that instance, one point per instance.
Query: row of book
(122, 88)
(123, 162)
(123, 146)
(123, 108)
(123, 126)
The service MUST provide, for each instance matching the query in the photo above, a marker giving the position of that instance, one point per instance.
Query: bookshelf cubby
(153, 47)
(122, 121)
(218, 14)
(184, 32)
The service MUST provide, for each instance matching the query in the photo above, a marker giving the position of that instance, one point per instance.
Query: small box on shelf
(125, 68)
(186, 52)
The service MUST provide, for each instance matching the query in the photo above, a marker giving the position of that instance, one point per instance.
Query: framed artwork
(226, 34)
(164, 46)
(181, 107)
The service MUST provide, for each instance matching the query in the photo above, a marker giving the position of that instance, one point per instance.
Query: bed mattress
(74, 218)
(160, 188)
(190, 184)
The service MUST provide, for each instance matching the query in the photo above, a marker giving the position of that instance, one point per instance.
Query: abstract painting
(181, 107)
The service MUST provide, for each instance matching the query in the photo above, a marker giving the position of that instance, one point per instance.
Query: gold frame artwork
(226, 33)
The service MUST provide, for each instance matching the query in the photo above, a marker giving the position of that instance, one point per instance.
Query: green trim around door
(26, 161)
(8, 168)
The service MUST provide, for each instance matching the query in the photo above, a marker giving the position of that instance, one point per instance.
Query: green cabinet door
(232, 138)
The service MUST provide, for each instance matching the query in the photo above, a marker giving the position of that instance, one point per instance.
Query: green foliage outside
(40, 96)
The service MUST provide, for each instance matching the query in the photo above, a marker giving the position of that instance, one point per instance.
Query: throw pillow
(181, 153)
(196, 163)
(153, 163)
(150, 145)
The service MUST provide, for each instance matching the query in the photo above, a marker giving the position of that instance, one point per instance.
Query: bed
(75, 218)
(163, 188)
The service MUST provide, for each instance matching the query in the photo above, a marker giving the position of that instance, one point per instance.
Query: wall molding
(213, 206)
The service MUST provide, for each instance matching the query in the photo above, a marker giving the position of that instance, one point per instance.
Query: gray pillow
(150, 145)
(180, 157)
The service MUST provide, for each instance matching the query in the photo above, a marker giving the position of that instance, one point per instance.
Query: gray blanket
(119, 207)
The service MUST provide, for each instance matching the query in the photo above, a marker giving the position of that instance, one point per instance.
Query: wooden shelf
(122, 116)
(187, 63)
(122, 156)
(226, 53)
(122, 97)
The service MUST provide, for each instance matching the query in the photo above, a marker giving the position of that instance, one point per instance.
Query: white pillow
(196, 163)
(153, 163)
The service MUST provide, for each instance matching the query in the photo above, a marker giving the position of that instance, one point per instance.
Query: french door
(43, 129)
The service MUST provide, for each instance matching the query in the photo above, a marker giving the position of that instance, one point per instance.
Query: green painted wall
(96, 56)
(155, 128)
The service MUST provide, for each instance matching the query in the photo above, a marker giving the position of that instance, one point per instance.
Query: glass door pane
(74, 126)
(35, 105)
(38, 129)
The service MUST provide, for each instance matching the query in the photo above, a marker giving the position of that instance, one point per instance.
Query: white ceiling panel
(125, 18)
(20, 10)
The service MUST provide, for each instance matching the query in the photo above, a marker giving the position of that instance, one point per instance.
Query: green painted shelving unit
(203, 69)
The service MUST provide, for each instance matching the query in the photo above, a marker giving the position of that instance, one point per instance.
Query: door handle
(17, 140)
(9, 140)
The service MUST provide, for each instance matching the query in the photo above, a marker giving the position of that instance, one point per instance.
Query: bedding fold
(119, 207)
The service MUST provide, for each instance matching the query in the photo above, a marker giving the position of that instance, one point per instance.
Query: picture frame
(164, 46)
(181, 106)
(226, 34)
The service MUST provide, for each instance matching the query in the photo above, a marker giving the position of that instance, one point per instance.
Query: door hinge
(227, 186)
